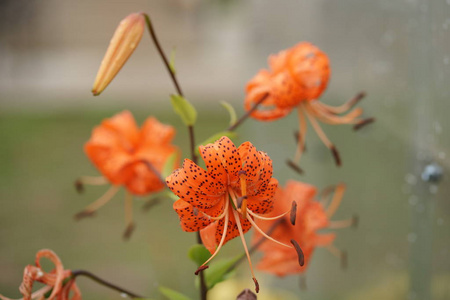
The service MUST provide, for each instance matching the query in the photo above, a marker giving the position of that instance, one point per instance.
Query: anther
(337, 158)
(83, 214)
(296, 137)
(293, 214)
(240, 200)
(79, 186)
(344, 260)
(128, 231)
(294, 166)
(200, 269)
(355, 221)
(357, 98)
(301, 256)
(363, 123)
(150, 203)
(195, 211)
(256, 285)
(242, 172)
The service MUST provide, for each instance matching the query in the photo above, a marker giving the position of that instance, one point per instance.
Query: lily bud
(125, 39)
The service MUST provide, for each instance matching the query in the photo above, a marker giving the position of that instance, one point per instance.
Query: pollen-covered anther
(293, 214)
(294, 166)
(200, 269)
(256, 285)
(301, 256)
(79, 186)
(336, 156)
(363, 123)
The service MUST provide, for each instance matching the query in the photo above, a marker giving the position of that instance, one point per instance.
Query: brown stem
(161, 53)
(203, 287)
(248, 113)
(257, 244)
(103, 282)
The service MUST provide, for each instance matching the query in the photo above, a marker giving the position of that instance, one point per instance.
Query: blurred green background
(397, 51)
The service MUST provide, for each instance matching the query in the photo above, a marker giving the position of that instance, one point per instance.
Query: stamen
(200, 269)
(293, 166)
(322, 136)
(90, 180)
(150, 203)
(128, 216)
(336, 156)
(90, 209)
(344, 223)
(342, 255)
(293, 215)
(301, 256)
(264, 234)
(337, 198)
(363, 123)
(302, 282)
(346, 106)
(301, 135)
(222, 240)
(241, 234)
(267, 218)
(243, 205)
(325, 193)
(256, 285)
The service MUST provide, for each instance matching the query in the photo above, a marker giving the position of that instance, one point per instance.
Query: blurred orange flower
(58, 282)
(296, 79)
(129, 156)
(223, 201)
(313, 216)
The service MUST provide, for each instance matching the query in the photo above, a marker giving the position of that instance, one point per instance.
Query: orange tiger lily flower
(53, 280)
(224, 201)
(313, 216)
(296, 79)
(128, 156)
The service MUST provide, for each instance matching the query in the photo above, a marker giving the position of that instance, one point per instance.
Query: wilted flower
(58, 282)
(312, 217)
(223, 201)
(296, 79)
(125, 39)
(129, 156)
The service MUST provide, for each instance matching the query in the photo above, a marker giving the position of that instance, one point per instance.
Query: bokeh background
(397, 51)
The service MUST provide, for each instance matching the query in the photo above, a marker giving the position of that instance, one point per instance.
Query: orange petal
(263, 201)
(193, 185)
(222, 160)
(189, 220)
(153, 132)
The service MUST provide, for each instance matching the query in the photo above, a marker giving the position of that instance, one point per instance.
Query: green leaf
(216, 136)
(184, 109)
(172, 61)
(172, 295)
(231, 111)
(219, 271)
(169, 165)
(198, 254)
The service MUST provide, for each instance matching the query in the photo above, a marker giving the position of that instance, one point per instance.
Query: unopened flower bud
(125, 39)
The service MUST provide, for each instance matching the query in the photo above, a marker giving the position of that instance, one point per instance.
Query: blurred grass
(41, 154)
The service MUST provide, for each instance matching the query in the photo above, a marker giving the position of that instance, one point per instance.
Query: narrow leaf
(171, 294)
(184, 109)
(231, 111)
(198, 254)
